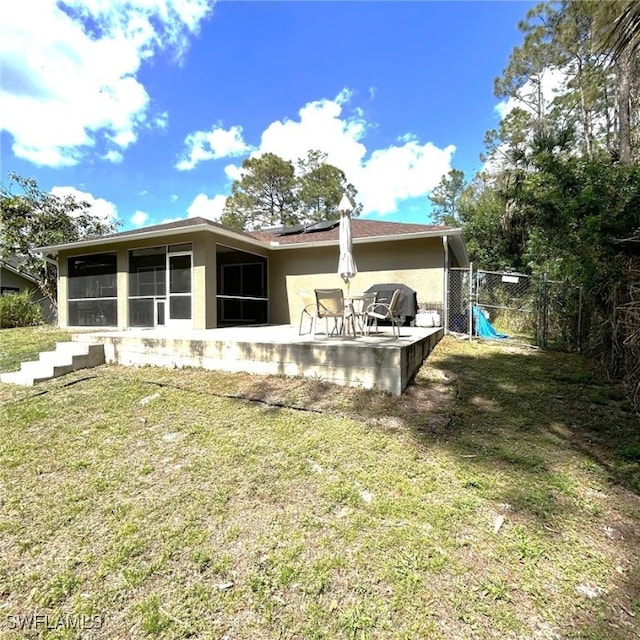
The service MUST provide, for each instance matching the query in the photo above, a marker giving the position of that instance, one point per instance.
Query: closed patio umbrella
(346, 264)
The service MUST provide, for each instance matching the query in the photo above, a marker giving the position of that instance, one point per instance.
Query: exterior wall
(385, 364)
(15, 281)
(63, 308)
(418, 263)
(199, 281)
(204, 280)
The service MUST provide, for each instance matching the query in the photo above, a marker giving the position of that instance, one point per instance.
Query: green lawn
(19, 345)
(496, 499)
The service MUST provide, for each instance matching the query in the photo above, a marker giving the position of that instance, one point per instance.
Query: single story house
(14, 279)
(198, 274)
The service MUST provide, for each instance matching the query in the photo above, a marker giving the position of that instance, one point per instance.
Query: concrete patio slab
(378, 361)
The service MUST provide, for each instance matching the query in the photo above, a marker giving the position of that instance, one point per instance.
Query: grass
(20, 345)
(497, 498)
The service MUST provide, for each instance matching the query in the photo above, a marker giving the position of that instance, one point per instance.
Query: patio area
(378, 361)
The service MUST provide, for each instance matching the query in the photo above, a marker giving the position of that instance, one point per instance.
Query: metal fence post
(445, 299)
(545, 312)
(470, 301)
(579, 345)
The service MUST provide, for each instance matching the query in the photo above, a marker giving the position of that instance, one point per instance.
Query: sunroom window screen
(92, 290)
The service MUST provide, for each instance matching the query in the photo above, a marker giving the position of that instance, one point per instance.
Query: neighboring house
(198, 274)
(14, 279)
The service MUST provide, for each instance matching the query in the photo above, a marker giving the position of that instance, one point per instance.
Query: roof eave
(157, 233)
(368, 239)
(22, 274)
(459, 248)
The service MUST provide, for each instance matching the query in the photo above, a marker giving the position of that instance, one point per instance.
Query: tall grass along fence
(536, 310)
(625, 343)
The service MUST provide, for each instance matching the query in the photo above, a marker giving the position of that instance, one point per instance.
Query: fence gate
(528, 309)
(509, 300)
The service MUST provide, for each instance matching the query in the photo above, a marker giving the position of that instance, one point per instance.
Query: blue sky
(147, 109)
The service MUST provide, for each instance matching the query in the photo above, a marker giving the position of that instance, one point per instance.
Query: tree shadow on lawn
(542, 437)
(552, 441)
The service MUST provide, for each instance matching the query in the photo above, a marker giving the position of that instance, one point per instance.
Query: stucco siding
(14, 281)
(416, 263)
(63, 311)
(123, 290)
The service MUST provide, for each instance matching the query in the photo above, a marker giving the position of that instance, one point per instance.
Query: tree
(320, 189)
(590, 49)
(33, 218)
(264, 196)
(617, 25)
(591, 116)
(621, 31)
(446, 196)
(272, 193)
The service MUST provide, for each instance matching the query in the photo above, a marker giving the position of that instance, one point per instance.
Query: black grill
(408, 303)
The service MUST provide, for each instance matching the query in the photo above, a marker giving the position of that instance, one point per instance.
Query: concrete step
(68, 357)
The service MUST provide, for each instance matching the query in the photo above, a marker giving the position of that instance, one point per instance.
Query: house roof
(282, 238)
(167, 229)
(361, 230)
(13, 264)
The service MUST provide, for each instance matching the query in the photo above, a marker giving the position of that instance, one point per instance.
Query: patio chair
(382, 311)
(310, 310)
(330, 304)
(360, 305)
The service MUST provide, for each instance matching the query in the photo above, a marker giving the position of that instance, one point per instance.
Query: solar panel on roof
(290, 231)
(324, 225)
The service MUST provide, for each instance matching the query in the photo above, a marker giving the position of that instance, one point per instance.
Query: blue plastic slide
(484, 329)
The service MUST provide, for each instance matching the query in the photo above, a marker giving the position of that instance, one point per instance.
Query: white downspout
(49, 260)
(445, 287)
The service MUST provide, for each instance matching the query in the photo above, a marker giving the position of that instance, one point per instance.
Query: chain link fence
(560, 316)
(508, 300)
(459, 296)
(525, 309)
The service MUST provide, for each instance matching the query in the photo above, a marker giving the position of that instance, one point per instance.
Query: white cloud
(205, 207)
(233, 172)
(113, 156)
(70, 74)
(212, 145)
(395, 174)
(101, 208)
(161, 121)
(167, 220)
(139, 218)
(319, 127)
(383, 177)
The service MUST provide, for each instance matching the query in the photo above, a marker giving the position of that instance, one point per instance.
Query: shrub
(19, 310)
